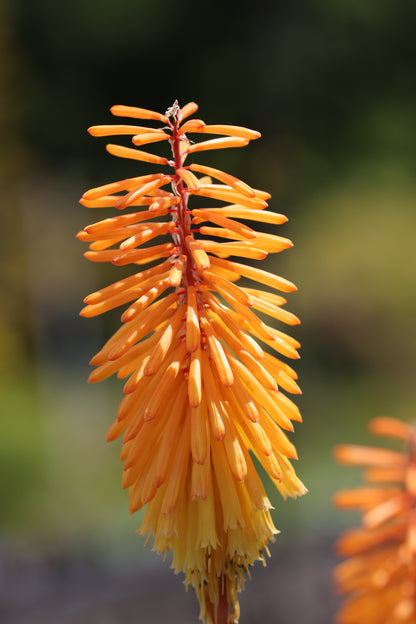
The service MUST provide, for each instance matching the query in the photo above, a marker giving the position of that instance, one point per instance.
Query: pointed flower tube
(378, 576)
(202, 394)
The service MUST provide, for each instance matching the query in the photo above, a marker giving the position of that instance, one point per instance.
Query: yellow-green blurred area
(330, 85)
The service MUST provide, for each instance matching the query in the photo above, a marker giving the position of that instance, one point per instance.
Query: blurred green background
(331, 86)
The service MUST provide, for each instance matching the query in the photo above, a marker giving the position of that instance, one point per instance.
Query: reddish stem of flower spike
(181, 212)
(222, 613)
(221, 610)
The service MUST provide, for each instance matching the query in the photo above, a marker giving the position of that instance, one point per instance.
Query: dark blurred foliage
(330, 84)
(321, 77)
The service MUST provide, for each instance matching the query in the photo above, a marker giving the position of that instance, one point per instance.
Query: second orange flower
(378, 576)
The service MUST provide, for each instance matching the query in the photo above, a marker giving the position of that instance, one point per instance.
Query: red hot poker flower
(201, 396)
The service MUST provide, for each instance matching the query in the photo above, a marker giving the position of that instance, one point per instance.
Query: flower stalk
(202, 395)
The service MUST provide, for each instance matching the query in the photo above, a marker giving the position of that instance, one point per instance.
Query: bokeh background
(331, 86)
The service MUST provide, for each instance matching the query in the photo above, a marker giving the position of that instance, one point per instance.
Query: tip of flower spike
(188, 110)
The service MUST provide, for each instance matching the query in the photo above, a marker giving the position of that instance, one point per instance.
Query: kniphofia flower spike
(202, 395)
(379, 573)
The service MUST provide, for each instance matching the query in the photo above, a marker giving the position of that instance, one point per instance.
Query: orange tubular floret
(280, 345)
(199, 433)
(149, 137)
(193, 334)
(226, 288)
(198, 254)
(107, 225)
(176, 272)
(241, 401)
(357, 541)
(237, 184)
(215, 216)
(146, 233)
(109, 304)
(112, 201)
(163, 203)
(223, 250)
(368, 456)
(232, 276)
(108, 130)
(277, 437)
(391, 427)
(193, 125)
(188, 110)
(222, 232)
(218, 354)
(274, 311)
(235, 455)
(260, 395)
(129, 152)
(105, 239)
(255, 367)
(266, 296)
(195, 379)
(106, 255)
(135, 255)
(262, 194)
(161, 348)
(235, 131)
(217, 144)
(190, 179)
(363, 497)
(122, 185)
(385, 475)
(228, 321)
(126, 283)
(259, 275)
(226, 193)
(264, 216)
(270, 243)
(120, 110)
(213, 397)
(228, 337)
(142, 190)
(158, 315)
(146, 299)
(116, 299)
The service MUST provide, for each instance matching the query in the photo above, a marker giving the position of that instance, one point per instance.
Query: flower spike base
(379, 573)
(202, 396)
